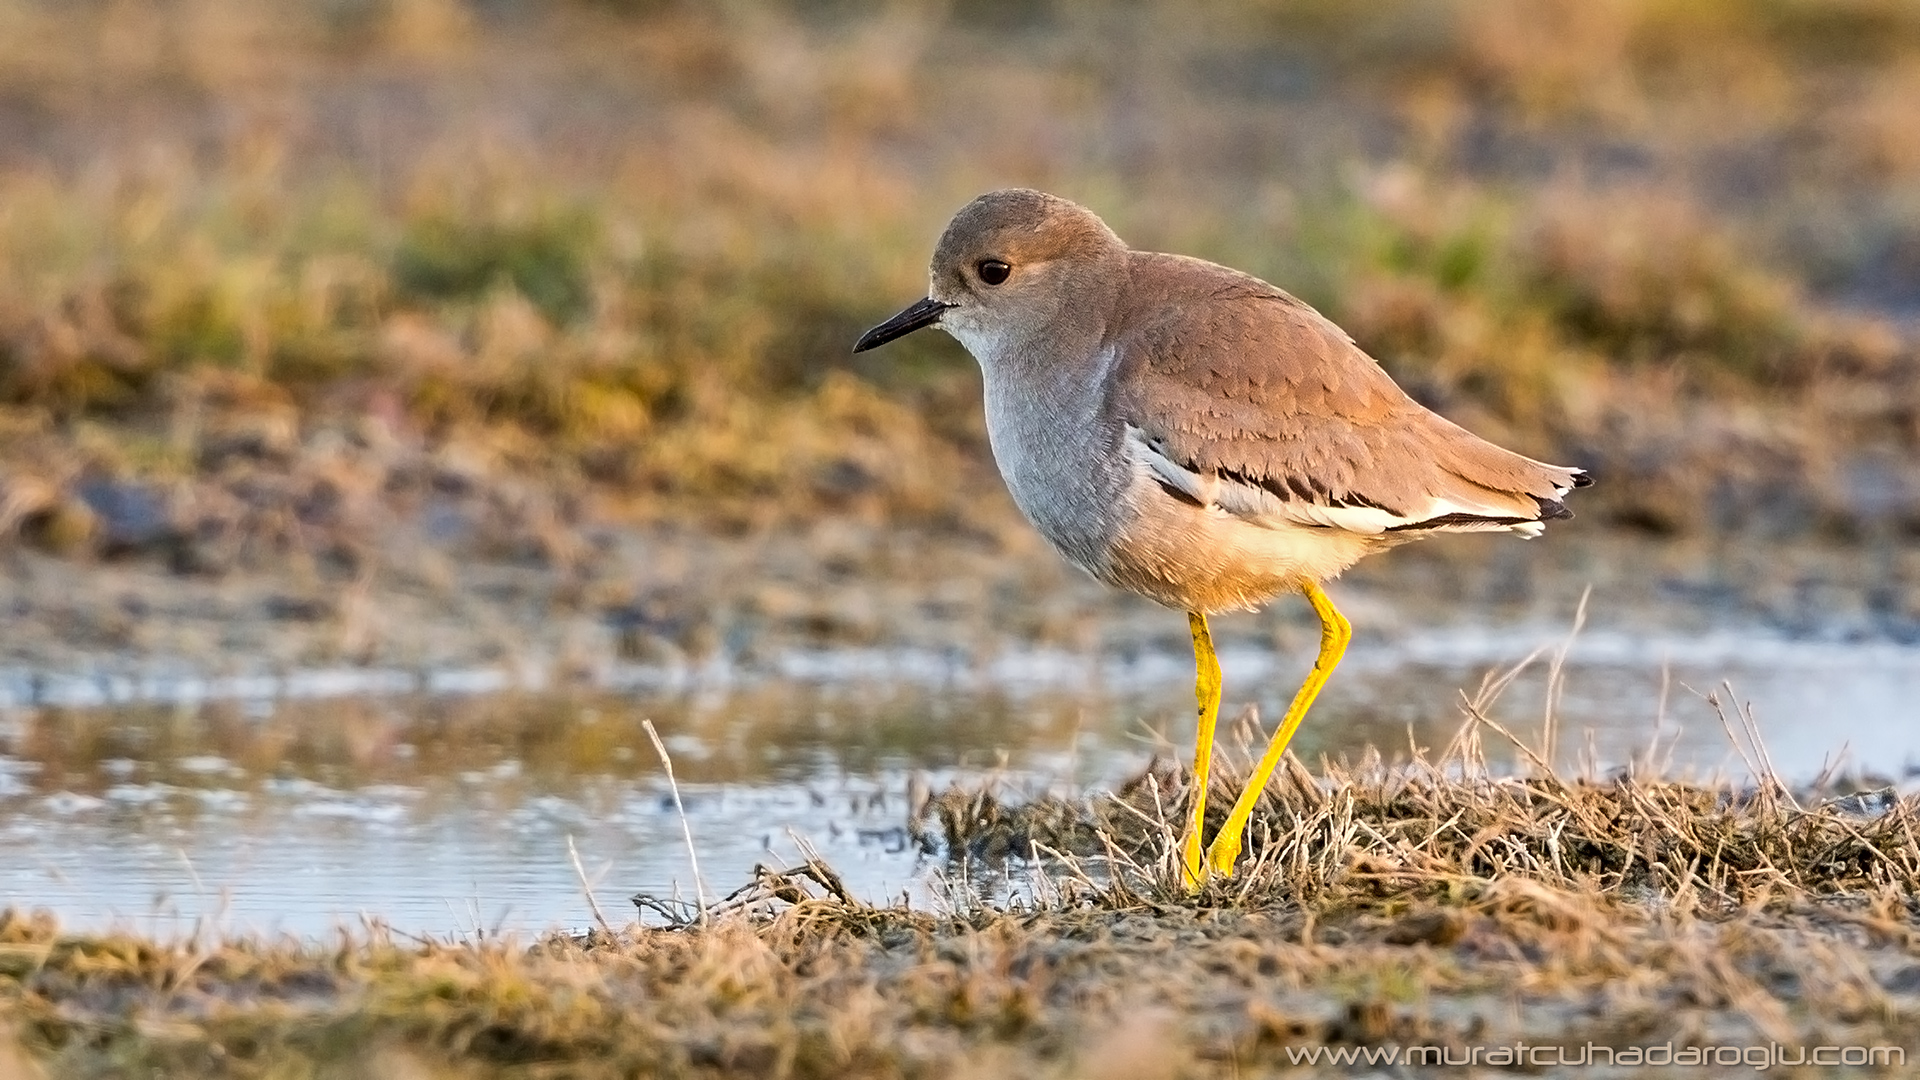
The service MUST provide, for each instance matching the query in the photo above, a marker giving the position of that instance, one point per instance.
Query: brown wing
(1235, 381)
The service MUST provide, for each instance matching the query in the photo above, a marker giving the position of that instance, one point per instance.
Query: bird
(1198, 436)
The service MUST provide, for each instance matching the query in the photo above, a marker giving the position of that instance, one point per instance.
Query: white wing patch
(1256, 504)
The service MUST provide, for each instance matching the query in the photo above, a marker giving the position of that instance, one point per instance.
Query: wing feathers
(1265, 410)
(1293, 501)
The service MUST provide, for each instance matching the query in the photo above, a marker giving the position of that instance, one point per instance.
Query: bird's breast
(1060, 460)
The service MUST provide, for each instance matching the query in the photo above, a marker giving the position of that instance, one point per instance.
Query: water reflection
(451, 814)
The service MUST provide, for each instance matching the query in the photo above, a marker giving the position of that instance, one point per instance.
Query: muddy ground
(675, 598)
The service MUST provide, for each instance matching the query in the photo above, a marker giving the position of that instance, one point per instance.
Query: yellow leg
(1206, 694)
(1335, 632)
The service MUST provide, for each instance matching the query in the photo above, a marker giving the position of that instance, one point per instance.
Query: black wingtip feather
(1552, 509)
(1582, 478)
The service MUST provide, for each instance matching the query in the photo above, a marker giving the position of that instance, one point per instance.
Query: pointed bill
(923, 313)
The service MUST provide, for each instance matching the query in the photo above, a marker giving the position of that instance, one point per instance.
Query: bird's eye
(993, 271)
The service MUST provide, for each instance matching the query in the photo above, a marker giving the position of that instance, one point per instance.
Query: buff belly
(1205, 559)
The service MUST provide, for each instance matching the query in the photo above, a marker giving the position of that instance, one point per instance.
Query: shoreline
(1022, 670)
(841, 599)
(1593, 918)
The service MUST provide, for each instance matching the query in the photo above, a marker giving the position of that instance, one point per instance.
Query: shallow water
(452, 814)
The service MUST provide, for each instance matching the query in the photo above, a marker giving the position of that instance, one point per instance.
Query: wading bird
(1200, 437)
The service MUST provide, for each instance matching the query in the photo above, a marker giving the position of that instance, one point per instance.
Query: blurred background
(479, 370)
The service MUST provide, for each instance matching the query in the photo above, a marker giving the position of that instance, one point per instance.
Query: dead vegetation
(359, 313)
(278, 281)
(1371, 834)
(1436, 903)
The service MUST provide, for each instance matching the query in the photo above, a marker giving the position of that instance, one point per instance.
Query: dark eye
(993, 271)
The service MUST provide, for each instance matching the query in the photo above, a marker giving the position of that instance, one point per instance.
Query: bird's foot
(1190, 861)
(1224, 853)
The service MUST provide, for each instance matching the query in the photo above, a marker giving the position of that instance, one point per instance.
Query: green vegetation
(254, 255)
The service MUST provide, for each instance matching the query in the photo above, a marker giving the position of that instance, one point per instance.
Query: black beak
(922, 313)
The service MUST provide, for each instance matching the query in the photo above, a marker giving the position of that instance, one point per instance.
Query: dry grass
(278, 279)
(1361, 836)
(1430, 904)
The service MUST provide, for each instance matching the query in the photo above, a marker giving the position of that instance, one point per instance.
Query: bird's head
(1012, 264)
